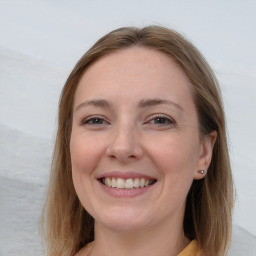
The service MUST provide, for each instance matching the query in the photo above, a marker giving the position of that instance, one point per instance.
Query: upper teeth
(126, 183)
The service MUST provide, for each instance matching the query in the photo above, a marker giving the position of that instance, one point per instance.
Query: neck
(161, 240)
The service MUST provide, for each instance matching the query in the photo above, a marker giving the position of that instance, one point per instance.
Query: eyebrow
(142, 103)
(157, 101)
(96, 103)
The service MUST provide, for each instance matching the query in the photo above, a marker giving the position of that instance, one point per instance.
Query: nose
(125, 144)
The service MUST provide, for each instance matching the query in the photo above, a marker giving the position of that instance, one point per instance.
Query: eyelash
(91, 121)
(167, 120)
(95, 120)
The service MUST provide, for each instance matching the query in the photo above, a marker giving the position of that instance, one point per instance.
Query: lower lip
(125, 193)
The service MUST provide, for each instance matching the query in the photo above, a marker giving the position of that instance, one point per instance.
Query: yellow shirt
(191, 250)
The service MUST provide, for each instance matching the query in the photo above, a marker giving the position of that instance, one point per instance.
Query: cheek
(176, 155)
(85, 154)
(176, 158)
(84, 158)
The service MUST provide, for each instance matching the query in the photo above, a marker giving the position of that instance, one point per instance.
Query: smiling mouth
(129, 183)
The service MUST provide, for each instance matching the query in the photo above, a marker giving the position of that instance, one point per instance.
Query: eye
(161, 121)
(94, 121)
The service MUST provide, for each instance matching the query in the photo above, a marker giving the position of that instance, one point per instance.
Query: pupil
(97, 121)
(160, 120)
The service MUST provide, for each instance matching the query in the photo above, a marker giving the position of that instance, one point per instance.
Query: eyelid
(86, 120)
(170, 120)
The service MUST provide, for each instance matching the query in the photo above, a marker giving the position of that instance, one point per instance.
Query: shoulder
(191, 250)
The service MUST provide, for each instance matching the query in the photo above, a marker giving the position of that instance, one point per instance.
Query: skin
(131, 131)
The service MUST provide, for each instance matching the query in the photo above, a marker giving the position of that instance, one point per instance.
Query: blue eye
(160, 120)
(94, 121)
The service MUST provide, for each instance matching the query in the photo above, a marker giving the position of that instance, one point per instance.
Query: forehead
(134, 73)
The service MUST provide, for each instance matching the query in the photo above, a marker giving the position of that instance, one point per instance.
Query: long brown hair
(67, 226)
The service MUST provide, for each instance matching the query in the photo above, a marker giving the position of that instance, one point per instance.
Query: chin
(123, 220)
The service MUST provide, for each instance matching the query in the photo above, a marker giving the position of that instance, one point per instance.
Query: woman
(141, 163)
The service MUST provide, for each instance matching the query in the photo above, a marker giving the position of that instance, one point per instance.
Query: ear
(205, 154)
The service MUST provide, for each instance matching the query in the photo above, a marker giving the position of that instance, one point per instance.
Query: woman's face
(135, 146)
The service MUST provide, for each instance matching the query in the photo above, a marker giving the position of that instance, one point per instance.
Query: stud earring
(202, 171)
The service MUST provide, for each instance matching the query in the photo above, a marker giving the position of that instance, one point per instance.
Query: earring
(202, 171)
